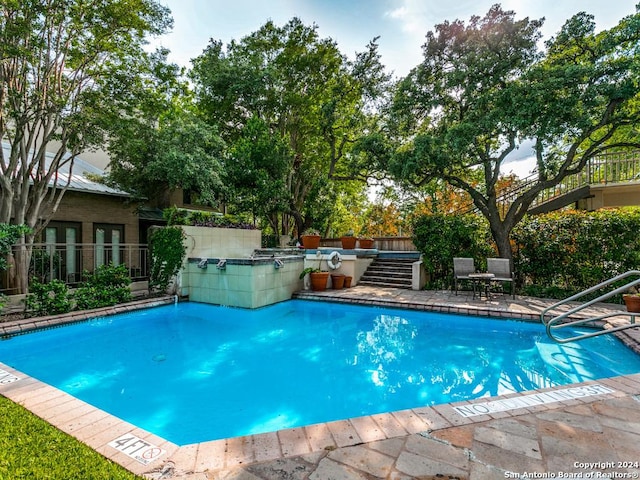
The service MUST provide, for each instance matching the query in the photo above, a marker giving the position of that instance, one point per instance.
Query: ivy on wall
(167, 253)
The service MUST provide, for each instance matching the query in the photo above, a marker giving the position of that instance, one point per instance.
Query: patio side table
(480, 282)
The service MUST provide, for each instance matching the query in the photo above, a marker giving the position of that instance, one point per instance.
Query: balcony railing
(69, 261)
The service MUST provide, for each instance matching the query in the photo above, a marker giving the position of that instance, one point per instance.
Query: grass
(30, 448)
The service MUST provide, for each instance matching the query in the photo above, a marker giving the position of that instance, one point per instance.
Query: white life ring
(335, 260)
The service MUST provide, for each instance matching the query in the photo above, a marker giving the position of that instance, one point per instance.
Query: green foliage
(107, 285)
(9, 235)
(42, 264)
(440, 238)
(167, 253)
(171, 148)
(562, 253)
(199, 218)
(290, 107)
(31, 448)
(484, 88)
(50, 298)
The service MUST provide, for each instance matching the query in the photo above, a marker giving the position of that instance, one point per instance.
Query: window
(63, 255)
(108, 238)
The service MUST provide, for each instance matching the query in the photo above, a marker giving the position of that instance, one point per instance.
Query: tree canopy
(484, 87)
(290, 107)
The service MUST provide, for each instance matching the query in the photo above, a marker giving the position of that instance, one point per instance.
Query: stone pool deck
(590, 430)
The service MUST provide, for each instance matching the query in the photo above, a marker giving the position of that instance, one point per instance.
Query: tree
(483, 88)
(67, 67)
(167, 148)
(298, 95)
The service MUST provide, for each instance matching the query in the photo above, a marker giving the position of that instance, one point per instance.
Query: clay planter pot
(319, 281)
(311, 241)
(366, 243)
(632, 302)
(348, 243)
(347, 281)
(337, 281)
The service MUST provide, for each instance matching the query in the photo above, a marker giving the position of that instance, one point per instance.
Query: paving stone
(479, 471)
(364, 459)
(566, 444)
(437, 450)
(432, 418)
(507, 441)
(282, 469)
(457, 436)
(319, 437)
(389, 425)
(619, 424)
(343, 433)
(391, 446)
(293, 441)
(239, 451)
(421, 467)
(504, 459)
(210, 456)
(330, 470)
(583, 422)
(411, 421)
(515, 427)
(266, 446)
(235, 474)
(368, 430)
(626, 445)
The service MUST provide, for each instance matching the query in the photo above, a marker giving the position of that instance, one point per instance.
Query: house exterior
(95, 224)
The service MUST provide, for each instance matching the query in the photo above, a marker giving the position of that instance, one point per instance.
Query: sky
(400, 24)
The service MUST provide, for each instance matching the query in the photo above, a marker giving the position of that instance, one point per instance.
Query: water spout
(203, 263)
(278, 263)
(222, 264)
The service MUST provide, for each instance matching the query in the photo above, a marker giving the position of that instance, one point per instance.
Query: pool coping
(98, 429)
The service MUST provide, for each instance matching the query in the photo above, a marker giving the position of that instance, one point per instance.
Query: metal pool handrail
(562, 321)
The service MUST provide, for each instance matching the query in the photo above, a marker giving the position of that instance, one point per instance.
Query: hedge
(555, 254)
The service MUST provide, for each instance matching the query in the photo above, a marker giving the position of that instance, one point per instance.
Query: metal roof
(79, 181)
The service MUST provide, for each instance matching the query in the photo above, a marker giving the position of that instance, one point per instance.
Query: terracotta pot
(319, 281)
(365, 243)
(337, 281)
(632, 302)
(348, 243)
(311, 241)
(347, 282)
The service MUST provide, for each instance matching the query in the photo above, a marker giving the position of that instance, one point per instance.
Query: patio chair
(501, 268)
(462, 267)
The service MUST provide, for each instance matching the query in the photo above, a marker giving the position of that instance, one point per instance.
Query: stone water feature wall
(221, 269)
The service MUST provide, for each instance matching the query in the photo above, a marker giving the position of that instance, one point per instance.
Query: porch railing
(69, 261)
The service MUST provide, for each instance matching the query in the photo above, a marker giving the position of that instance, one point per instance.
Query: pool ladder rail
(563, 320)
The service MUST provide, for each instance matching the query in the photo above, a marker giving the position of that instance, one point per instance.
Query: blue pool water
(195, 372)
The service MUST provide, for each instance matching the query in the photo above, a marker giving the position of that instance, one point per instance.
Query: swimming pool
(195, 372)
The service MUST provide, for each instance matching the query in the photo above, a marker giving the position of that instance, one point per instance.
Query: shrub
(198, 218)
(107, 285)
(562, 253)
(48, 298)
(442, 237)
(167, 253)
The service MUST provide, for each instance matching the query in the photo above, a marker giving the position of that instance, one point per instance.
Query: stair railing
(563, 320)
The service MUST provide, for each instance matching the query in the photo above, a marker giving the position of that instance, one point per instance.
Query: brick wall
(90, 208)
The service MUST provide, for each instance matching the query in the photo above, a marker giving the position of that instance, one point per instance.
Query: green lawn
(30, 448)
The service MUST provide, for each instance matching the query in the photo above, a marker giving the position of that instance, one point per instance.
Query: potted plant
(310, 239)
(348, 240)
(337, 281)
(365, 242)
(632, 301)
(318, 278)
